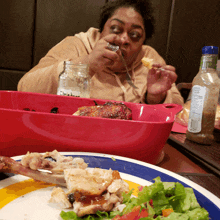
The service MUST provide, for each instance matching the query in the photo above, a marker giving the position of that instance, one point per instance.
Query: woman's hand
(158, 82)
(102, 58)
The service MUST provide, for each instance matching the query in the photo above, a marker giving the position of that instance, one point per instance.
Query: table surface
(193, 161)
(207, 155)
(179, 163)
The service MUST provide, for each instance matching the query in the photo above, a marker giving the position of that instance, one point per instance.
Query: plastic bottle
(204, 99)
(74, 80)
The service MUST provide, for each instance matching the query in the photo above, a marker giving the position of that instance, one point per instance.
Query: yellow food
(147, 62)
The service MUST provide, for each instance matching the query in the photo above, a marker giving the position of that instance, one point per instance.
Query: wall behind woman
(29, 28)
(183, 27)
(194, 24)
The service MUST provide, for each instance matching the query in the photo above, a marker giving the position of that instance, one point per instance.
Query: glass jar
(74, 80)
(204, 98)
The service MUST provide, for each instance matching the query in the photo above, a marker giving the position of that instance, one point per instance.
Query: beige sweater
(43, 78)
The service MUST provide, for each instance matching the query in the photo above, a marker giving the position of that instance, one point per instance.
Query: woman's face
(129, 26)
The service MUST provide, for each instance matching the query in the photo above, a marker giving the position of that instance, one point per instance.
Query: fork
(128, 77)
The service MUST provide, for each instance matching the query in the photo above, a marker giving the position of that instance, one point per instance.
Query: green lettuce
(98, 216)
(198, 214)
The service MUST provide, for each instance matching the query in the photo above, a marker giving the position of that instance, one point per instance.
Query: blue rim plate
(132, 170)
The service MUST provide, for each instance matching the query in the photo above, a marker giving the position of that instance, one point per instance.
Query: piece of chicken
(31, 163)
(90, 190)
(91, 182)
(8, 165)
(53, 161)
(108, 110)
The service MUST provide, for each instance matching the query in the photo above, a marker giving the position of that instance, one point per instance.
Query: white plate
(22, 198)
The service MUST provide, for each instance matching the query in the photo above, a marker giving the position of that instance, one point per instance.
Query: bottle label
(68, 92)
(196, 108)
(208, 61)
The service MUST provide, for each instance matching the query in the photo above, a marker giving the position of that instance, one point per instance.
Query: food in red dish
(108, 110)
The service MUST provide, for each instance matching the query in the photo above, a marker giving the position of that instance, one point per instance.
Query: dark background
(29, 28)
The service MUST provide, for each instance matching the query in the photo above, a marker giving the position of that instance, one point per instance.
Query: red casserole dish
(141, 138)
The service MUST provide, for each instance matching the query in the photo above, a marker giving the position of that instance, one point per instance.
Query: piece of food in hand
(147, 62)
(108, 110)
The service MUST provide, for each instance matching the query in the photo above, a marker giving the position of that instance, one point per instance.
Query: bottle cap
(210, 50)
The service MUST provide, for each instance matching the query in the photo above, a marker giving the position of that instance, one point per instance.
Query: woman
(125, 23)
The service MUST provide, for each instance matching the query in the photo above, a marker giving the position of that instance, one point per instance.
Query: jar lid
(210, 50)
(68, 62)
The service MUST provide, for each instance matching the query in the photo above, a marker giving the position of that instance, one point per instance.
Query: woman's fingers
(165, 67)
(169, 68)
(112, 39)
(170, 74)
(165, 71)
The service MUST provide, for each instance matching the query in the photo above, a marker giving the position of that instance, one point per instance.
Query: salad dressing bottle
(204, 100)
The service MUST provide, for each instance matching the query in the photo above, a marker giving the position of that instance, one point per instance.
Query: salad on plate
(161, 200)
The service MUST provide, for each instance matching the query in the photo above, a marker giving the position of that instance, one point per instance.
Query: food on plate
(87, 190)
(95, 193)
(183, 116)
(160, 201)
(53, 161)
(8, 165)
(147, 62)
(108, 110)
(90, 190)
(90, 182)
(48, 167)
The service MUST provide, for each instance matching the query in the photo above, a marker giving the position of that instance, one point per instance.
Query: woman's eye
(115, 29)
(135, 35)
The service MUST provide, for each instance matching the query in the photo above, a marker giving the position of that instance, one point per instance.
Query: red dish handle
(174, 108)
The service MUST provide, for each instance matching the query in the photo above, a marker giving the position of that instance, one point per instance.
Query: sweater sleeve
(43, 78)
(174, 96)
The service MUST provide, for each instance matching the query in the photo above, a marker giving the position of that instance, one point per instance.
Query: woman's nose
(125, 38)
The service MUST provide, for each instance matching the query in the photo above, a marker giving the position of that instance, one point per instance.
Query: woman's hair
(143, 7)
